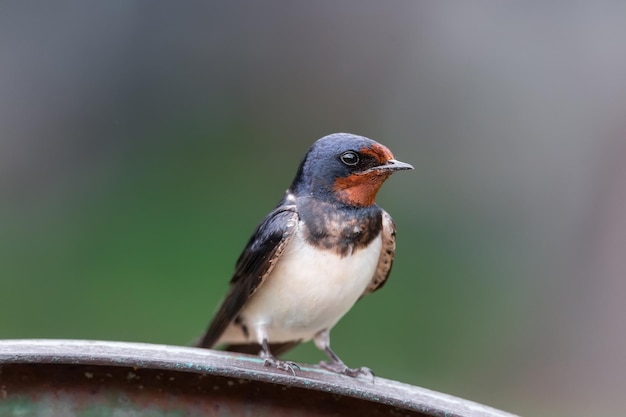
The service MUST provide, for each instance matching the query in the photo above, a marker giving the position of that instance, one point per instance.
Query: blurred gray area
(141, 141)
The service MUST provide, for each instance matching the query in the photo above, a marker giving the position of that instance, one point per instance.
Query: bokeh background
(142, 141)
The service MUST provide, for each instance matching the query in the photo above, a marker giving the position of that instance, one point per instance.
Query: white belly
(309, 290)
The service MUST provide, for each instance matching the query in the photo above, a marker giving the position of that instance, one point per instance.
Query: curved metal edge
(226, 364)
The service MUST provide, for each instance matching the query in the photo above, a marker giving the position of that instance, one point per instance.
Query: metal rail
(80, 378)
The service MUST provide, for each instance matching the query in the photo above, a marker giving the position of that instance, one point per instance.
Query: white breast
(309, 290)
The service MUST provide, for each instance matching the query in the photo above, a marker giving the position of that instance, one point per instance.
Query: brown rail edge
(87, 378)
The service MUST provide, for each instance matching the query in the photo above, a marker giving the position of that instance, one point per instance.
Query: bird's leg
(322, 341)
(270, 360)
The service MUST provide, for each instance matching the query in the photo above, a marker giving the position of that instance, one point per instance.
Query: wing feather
(387, 252)
(253, 266)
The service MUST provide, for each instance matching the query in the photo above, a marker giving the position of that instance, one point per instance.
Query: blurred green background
(142, 141)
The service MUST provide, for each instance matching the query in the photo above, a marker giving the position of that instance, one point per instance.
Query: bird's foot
(341, 368)
(288, 366)
(270, 360)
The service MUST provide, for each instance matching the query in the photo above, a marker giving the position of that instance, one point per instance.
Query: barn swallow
(325, 246)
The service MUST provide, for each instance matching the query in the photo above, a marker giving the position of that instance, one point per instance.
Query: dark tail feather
(204, 342)
(254, 348)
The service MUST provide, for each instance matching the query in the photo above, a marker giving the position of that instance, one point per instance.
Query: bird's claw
(288, 366)
(341, 368)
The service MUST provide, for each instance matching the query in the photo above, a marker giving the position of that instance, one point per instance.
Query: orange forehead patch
(380, 152)
(360, 189)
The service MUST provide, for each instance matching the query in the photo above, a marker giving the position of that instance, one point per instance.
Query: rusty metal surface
(95, 378)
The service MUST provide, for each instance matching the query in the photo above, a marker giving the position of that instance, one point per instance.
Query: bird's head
(345, 168)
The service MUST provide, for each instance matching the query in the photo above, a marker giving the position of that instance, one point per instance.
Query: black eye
(349, 158)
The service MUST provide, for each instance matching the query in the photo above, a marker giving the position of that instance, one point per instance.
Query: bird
(325, 246)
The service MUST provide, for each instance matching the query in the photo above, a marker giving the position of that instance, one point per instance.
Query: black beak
(394, 165)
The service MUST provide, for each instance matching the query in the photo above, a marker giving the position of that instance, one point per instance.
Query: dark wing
(385, 260)
(254, 265)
